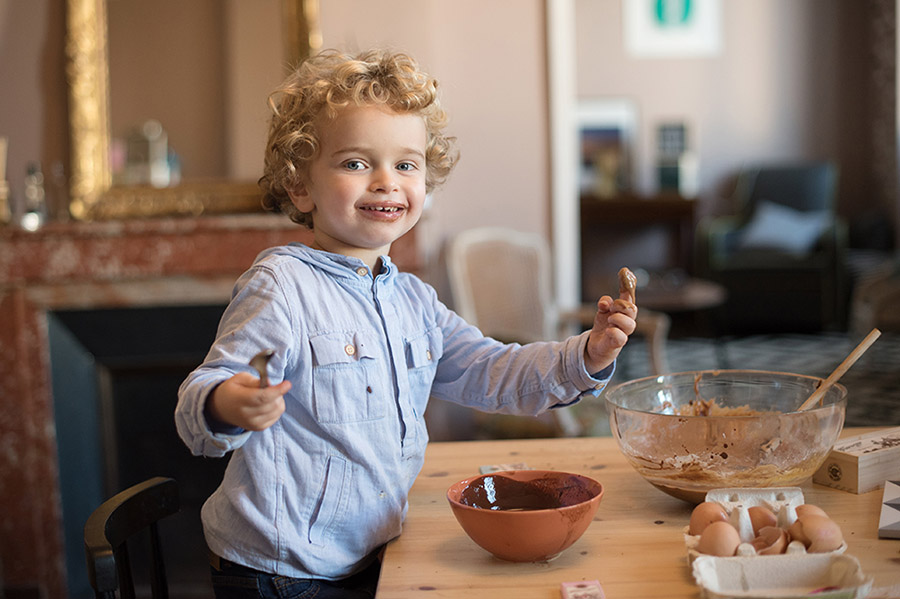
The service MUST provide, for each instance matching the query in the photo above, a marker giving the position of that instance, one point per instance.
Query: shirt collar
(340, 264)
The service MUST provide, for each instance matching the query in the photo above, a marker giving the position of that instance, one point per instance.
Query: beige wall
(789, 83)
(203, 69)
(489, 59)
(32, 87)
(777, 91)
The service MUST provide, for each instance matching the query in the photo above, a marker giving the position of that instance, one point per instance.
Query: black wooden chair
(119, 519)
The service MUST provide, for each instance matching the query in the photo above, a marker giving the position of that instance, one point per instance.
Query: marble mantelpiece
(142, 263)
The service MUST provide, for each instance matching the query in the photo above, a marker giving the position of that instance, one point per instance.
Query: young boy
(323, 460)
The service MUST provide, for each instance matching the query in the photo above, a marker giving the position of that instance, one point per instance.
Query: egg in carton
(780, 501)
(794, 574)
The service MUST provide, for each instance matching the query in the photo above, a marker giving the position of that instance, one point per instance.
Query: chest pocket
(345, 387)
(422, 356)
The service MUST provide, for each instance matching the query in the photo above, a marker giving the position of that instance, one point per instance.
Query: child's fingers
(282, 387)
(604, 304)
(625, 307)
(623, 322)
(616, 337)
(272, 394)
(245, 379)
(268, 408)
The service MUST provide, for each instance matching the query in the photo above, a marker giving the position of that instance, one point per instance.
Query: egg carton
(781, 501)
(796, 573)
(794, 576)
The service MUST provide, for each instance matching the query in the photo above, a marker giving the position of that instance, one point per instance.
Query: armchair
(781, 255)
(501, 281)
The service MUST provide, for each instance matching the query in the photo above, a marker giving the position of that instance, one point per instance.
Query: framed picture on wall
(672, 28)
(606, 135)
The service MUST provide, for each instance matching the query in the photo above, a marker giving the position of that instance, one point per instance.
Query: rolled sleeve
(258, 316)
(194, 428)
(592, 384)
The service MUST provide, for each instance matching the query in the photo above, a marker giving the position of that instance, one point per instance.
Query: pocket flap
(424, 350)
(341, 348)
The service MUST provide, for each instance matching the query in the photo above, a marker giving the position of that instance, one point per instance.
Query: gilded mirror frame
(92, 195)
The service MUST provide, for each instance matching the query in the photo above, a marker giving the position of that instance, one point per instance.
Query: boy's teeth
(384, 209)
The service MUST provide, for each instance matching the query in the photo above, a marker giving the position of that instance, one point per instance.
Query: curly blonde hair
(325, 83)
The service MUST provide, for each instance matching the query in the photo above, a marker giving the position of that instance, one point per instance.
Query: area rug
(873, 383)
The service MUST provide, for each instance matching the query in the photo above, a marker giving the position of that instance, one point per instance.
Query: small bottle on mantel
(5, 213)
(35, 199)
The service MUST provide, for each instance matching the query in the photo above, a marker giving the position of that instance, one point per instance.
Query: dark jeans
(233, 581)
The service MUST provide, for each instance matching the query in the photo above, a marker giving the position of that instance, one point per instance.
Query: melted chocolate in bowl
(525, 515)
(498, 492)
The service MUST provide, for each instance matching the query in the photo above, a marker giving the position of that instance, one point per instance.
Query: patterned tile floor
(873, 383)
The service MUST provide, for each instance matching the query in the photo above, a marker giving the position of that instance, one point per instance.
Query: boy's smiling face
(366, 188)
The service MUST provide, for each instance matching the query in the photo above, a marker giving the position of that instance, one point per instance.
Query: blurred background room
(739, 155)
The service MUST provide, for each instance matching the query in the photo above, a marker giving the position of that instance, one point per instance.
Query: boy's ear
(301, 198)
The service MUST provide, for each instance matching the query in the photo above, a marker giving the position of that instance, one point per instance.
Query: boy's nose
(383, 181)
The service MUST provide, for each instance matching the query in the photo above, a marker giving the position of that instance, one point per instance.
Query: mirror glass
(187, 86)
(167, 101)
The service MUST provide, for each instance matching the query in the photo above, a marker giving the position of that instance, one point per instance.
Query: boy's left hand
(613, 323)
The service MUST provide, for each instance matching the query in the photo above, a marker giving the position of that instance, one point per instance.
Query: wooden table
(634, 547)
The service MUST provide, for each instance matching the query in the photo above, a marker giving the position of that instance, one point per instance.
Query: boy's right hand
(239, 401)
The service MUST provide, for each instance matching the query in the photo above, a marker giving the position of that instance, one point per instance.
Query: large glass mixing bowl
(689, 432)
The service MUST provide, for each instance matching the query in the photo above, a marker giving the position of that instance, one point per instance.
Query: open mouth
(382, 208)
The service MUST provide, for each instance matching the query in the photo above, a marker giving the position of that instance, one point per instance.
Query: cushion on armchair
(775, 226)
(784, 245)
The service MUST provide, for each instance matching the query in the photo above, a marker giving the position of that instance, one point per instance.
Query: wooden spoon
(840, 370)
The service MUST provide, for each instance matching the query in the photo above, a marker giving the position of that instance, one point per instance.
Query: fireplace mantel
(154, 262)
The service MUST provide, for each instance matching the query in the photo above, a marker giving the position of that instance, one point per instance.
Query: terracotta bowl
(689, 432)
(525, 515)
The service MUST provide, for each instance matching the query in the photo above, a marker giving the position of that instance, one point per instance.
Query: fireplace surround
(66, 271)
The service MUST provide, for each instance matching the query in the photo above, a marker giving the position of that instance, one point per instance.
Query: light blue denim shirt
(314, 495)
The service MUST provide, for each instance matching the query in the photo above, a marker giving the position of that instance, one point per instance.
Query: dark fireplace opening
(116, 374)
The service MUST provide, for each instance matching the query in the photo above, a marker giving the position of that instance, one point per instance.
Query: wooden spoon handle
(840, 370)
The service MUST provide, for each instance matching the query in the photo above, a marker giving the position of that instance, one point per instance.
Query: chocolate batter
(627, 288)
(628, 283)
(497, 492)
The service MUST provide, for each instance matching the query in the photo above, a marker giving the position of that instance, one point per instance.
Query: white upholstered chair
(501, 282)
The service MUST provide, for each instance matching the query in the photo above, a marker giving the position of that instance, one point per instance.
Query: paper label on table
(584, 589)
(490, 468)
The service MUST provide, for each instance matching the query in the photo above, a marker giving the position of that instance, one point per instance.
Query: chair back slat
(158, 584)
(123, 569)
(119, 519)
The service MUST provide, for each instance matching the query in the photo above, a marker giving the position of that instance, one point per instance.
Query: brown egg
(719, 538)
(770, 540)
(705, 514)
(824, 533)
(760, 517)
(819, 534)
(809, 509)
(796, 532)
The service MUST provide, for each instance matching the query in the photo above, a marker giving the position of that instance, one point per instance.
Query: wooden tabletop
(634, 547)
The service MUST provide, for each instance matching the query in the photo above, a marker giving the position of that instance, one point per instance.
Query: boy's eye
(354, 165)
(406, 166)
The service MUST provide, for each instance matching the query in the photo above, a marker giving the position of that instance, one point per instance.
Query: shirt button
(349, 349)
(428, 354)
(362, 271)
